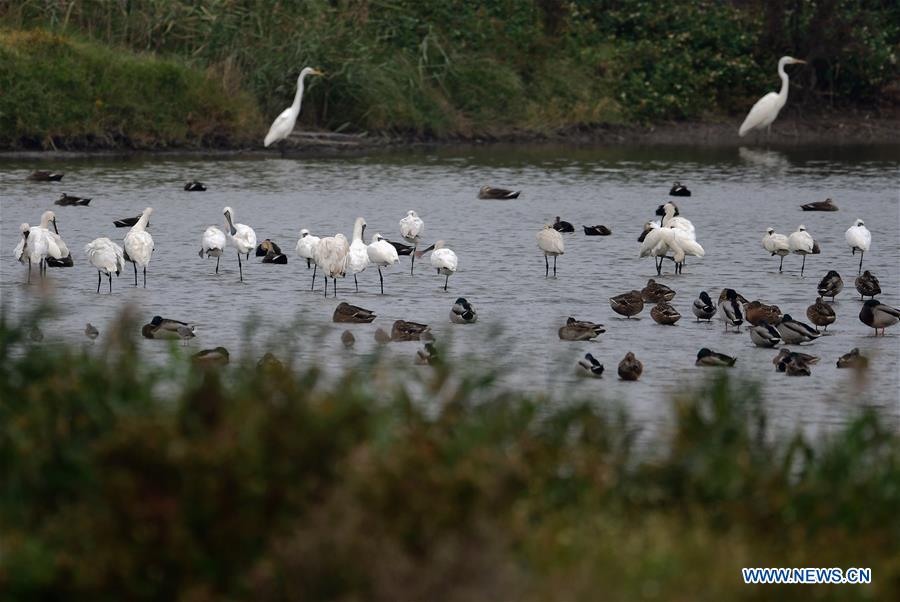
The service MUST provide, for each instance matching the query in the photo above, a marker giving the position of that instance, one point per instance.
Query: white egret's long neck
(45, 221)
(299, 95)
(142, 222)
(783, 94)
(357, 231)
(670, 213)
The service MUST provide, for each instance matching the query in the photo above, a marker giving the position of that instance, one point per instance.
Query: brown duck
(630, 368)
(345, 312)
(867, 285)
(826, 205)
(663, 313)
(409, 331)
(627, 304)
(756, 312)
(580, 330)
(820, 314)
(655, 292)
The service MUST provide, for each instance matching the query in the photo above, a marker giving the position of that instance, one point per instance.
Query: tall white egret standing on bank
(284, 124)
(411, 229)
(551, 243)
(859, 238)
(444, 260)
(358, 257)
(382, 254)
(801, 243)
(139, 245)
(242, 237)
(331, 256)
(776, 244)
(767, 108)
(107, 257)
(212, 244)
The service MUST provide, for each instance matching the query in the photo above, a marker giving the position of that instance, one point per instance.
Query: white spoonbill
(411, 229)
(767, 108)
(284, 124)
(56, 247)
(444, 260)
(107, 257)
(671, 220)
(331, 255)
(681, 243)
(776, 244)
(358, 257)
(382, 254)
(242, 237)
(654, 245)
(139, 245)
(551, 243)
(306, 246)
(212, 244)
(801, 243)
(859, 238)
(29, 250)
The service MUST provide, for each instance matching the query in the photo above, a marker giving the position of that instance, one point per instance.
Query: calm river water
(737, 194)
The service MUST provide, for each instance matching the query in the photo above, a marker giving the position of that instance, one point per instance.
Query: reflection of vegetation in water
(264, 483)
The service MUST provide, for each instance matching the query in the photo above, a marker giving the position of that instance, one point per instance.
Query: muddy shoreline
(855, 129)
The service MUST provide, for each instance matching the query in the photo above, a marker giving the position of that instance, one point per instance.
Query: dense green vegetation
(120, 480)
(454, 67)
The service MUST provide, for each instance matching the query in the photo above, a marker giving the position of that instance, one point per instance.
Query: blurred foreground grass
(122, 480)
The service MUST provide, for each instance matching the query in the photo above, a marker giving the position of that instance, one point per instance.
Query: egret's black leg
(554, 266)
(803, 265)
(781, 264)
(412, 258)
(307, 263)
(447, 279)
(29, 270)
(240, 267)
(326, 286)
(313, 287)
(860, 262)
(145, 276)
(334, 287)
(99, 280)
(356, 283)
(217, 264)
(381, 278)
(547, 267)
(134, 265)
(109, 276)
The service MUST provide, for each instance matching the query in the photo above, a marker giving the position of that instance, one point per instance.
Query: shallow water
(737, 194)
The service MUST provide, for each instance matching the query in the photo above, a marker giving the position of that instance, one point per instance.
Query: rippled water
(737, 194)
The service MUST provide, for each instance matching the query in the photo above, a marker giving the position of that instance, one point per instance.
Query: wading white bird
(284, 124)
(213, 244)
(444, 260)
(306, 246)
(801, 243)
(551, 243)
(681, 243)
(767, 108)
(139, 245)
(654, 245)
(242, 237)
(859, 238)
(107, 257)
(331, 256)
(382, 254)
(358, 257)
(411, 229)
(56, 246)
(776, 244)
(29, 250)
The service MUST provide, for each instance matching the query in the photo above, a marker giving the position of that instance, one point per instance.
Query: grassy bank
(456, 68)
(125, 481)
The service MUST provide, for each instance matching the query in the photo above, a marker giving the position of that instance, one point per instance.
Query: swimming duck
(195, 186)
(708, 357)
(562, 225)
(830, 285)
(345, 312)
(655, 292)
(462, 312)
(826, 205)
(265, 246)
(348, 339)
(67, 200)
(45, 176)
(703, 307)
(598, 230)
(402, 249)
(382, 337)
(488, 192)
(427, 355)
(164, 328)
(589, 366)
(62, 262)
(129, 222)
(820, 314)
(679, 189)
(269, 362)
(867, 285)
(211, 357)
(757, 311)
(785, 354)
(630, 368)
(580, 330)
(91, 332)
(663, 313)
(627, 304)
(793, 332)
(876, 314)
(764, 335)
(273, 257)
(853, 359)
(730, 309)
(794, 366)
(409, 331)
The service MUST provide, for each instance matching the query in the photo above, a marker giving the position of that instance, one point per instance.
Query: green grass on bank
(55, 90)
(121, 480)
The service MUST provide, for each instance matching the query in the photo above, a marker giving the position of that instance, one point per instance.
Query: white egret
(801, 243)
(382, 254)
(331, 255)
(444, 260)
(284, 124)
(306, 245)
(212, 244)
(551, 243)
(859, 238)
(242, 237)
(107, 257)
(767, 108)
(29, 250)
(56, 246)
(358, 257)
(681, 243)
(411, 229)
(776, 244)
(139, 245)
